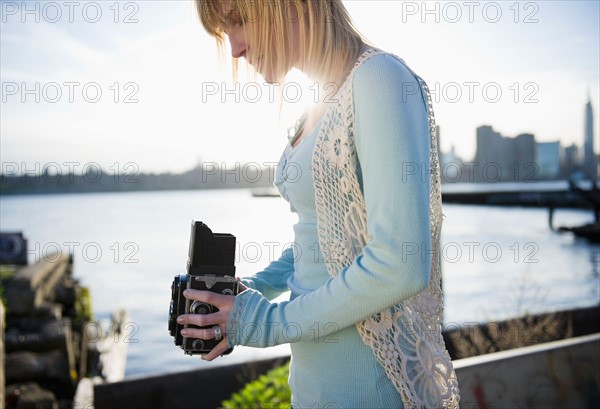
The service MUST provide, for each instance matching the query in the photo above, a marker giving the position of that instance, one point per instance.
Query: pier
(51, 350)
(551, 194)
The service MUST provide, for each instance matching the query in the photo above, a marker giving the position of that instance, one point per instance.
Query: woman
(364, 316)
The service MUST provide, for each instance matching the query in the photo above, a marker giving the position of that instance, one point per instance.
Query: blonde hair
(328, 42)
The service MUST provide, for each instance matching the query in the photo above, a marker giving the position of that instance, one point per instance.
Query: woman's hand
(224, 303)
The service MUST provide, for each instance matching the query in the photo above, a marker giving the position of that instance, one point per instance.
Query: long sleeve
(392, 138)
(272, 281)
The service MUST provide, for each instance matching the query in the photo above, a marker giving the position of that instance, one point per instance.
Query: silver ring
(218, 335)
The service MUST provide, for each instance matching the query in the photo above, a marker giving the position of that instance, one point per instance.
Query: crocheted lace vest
(406, 338)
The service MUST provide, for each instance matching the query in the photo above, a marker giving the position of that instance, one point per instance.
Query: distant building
(491, 152)
(452, 167)
(589, 157)
(501, 158)
(570, 160)
(547, 159)
(524, 168)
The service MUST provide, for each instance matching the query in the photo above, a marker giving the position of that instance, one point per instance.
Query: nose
(237, 41)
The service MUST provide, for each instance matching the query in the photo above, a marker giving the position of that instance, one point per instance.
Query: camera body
(210, 267)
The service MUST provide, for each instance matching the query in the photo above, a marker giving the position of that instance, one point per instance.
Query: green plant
(270, 390)
(6, 273)
(83, 305)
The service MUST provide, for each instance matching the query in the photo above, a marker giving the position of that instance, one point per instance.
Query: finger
(241, 286)
(218, 300)
(202, 320)
(201, 333)
(217, 351)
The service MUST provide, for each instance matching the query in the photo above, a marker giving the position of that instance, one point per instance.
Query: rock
(25, 366)
(30, 396)
(34, 284)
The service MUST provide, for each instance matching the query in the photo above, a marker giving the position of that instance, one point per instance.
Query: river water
(498, 262)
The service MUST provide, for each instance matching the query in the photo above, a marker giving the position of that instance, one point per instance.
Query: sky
(138, 85)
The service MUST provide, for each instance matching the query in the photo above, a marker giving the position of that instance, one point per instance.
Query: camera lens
(198, 344)
(227, 291)
(199, 307)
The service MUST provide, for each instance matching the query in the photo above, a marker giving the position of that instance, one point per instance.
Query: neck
(314, 71)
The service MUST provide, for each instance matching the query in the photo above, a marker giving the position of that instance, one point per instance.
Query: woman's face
(239, 38)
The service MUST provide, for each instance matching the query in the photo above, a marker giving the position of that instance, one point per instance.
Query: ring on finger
(218, 334)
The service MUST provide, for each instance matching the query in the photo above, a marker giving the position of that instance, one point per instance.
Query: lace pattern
(233, 330)
(406, 338)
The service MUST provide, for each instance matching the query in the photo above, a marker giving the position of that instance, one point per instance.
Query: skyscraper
(589, 158)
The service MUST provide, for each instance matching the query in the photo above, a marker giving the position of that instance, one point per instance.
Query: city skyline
(522, 158)
(498, 158)
(526, 69)
(586, 144)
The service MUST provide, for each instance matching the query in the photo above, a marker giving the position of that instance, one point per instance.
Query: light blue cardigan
(331, 366)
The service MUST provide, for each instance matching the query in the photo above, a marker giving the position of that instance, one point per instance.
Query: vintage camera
(210, 267)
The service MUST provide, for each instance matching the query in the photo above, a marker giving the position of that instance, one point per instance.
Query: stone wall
(45, 318)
